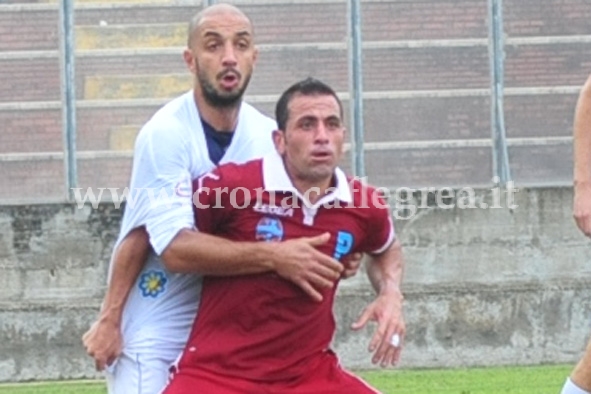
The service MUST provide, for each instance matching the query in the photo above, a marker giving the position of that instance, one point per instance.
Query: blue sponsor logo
(269, 229)
(344, 244)
(152, 283)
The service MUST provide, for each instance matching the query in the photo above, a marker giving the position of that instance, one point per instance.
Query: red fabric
(323, 376)
(261, 327)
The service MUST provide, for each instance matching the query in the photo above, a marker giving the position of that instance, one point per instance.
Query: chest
(278, 218)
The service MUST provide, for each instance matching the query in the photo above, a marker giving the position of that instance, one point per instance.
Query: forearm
(582, 137)
(201, 253)
(385, 271)
(128, 261)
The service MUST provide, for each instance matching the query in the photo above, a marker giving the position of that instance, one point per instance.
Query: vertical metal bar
(68, 88)
(207, 3)
(501, 167)
(356, 87)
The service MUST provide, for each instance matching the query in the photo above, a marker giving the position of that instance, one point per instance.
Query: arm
(198, 252)
(582, 160)
(385, 273)
(297, 260)
(103, 341)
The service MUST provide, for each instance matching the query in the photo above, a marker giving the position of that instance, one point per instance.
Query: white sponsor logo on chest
(273, 210)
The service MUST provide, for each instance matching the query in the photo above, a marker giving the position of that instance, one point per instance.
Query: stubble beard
(218, 99)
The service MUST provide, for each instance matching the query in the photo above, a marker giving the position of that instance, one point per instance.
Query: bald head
(217, 12)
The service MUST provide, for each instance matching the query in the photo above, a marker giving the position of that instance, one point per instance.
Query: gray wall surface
(482, 286)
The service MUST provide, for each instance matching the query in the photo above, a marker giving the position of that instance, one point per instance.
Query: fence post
(501, 167)
(356, 87)
(68, 89)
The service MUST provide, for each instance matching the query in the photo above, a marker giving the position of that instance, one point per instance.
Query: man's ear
(190, 61)
(279, 141)
(255, 56)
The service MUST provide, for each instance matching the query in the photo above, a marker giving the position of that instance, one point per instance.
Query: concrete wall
(482, 287)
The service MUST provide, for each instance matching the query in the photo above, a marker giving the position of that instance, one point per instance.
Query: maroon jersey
(263, 327)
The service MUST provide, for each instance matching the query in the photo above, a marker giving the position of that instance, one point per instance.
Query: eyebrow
(215, 34)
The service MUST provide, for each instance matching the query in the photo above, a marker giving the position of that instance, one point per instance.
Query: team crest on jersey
(269, 229)
(152, 283)
(343, 245)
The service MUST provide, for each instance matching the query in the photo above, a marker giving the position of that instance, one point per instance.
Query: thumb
(319, 239)
(363, 319)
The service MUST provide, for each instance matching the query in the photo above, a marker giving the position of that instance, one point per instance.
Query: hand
(582, 207)
(352, 263)
(300, 262)
(103, 342)
(386, 310)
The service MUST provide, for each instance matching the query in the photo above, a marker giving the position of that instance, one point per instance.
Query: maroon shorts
(326, 377)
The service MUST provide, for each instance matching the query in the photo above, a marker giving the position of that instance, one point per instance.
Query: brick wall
(446, 66)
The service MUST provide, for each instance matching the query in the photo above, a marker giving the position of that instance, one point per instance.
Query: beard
(219, 99)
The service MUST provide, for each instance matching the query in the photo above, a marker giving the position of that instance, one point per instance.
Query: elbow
(172, 261)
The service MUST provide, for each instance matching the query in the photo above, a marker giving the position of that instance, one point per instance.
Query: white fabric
(138, 374)
(170, 151)
(276, 180)
(571, 388)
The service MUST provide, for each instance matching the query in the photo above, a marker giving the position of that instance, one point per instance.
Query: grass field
(546, 379)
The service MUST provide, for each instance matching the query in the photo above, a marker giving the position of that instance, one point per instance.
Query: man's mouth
(229, 79)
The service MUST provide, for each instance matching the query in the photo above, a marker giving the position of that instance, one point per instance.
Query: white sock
(571, 388)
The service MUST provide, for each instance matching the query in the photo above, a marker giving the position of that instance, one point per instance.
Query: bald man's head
(216, 12)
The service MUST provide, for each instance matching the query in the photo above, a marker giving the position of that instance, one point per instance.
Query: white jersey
(170, 151)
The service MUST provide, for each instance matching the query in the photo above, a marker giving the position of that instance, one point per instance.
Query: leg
(138, 374)
(580, 379)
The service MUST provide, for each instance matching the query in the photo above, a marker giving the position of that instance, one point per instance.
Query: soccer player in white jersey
(579, 381)
(147, 312)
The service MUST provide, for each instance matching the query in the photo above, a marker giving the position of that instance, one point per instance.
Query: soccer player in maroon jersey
(260, 333)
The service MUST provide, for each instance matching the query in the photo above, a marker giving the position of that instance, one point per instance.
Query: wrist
(111, 315)
(391, 292)
(265, 254)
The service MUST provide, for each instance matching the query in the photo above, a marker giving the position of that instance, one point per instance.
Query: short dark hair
(307, 87)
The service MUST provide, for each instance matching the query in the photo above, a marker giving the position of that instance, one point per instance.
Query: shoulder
(256, 117)
(169, 125)
(365, 195)
(231, 175)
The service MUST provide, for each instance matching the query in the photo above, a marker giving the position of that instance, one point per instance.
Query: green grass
(546, 379)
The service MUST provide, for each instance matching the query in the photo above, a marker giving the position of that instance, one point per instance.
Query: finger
(362, 321)
(347, 273)
(353, 260)
(389, 356)
(380, 337)
(328, 262)
(319, 282)
(325, 272)
(382, 349)
(308, 289)
(318, 240)
(111, 360)
(99, 364)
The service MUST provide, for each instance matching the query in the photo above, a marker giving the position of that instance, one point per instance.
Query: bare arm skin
(103, 341)
(582, 160)
(385, 272)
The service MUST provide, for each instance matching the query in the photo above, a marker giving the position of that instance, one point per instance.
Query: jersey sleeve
(379, 232)
(160, 188)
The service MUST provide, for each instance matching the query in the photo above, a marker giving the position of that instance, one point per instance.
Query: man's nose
(321, 133)
(229, 58)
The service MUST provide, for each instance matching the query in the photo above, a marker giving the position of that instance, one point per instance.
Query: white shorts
(138, 374)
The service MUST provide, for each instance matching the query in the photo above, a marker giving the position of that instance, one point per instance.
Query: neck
(220, 118)
(313, 190)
